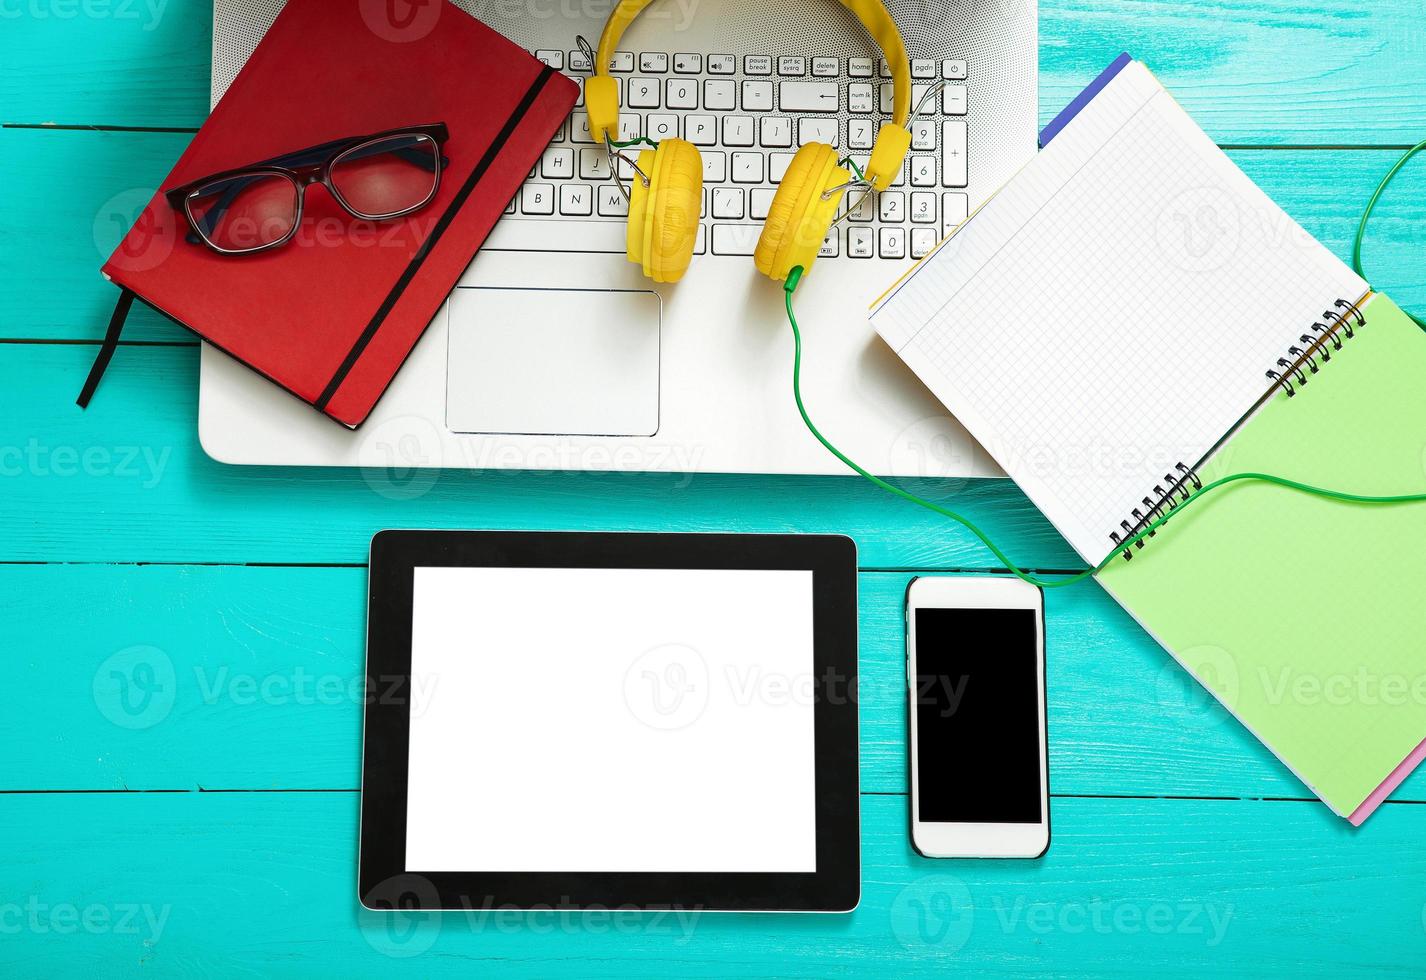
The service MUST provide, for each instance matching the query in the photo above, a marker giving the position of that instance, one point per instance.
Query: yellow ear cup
(799, 216)
(663, 217)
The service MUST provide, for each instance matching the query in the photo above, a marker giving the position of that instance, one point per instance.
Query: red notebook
(332, 315)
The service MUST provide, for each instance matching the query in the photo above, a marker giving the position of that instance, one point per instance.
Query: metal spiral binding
(1174, 490)
(1327, 336)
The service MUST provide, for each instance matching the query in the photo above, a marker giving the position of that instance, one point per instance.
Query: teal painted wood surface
(262, 884)
(217, 834)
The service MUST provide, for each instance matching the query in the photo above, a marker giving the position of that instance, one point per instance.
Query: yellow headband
(601, 92)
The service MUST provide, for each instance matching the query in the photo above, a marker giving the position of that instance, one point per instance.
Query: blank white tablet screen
(604, 720)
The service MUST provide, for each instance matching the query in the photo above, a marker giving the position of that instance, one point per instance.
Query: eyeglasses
(257, 207)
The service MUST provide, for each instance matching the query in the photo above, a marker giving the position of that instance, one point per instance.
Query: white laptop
(554, 352)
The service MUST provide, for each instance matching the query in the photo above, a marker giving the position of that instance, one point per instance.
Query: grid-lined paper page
(1112, 311)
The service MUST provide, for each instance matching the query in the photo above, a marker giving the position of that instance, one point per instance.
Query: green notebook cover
(1306, 617)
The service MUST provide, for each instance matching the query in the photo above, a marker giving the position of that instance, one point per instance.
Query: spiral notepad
(1125, 320)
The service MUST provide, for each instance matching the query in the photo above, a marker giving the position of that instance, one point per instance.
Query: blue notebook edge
(1083, 99)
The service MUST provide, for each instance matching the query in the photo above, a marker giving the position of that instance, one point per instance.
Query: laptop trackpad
(553, 361)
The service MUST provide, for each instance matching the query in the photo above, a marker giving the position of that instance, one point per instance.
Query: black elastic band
(415, 264)
(106, 349)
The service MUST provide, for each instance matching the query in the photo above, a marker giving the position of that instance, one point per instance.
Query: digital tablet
(589, 720)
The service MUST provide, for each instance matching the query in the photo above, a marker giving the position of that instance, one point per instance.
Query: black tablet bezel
(383, 880)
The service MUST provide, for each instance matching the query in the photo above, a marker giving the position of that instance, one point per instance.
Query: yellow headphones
(667, 193)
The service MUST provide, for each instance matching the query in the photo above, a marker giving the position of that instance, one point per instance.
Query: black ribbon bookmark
(496, 145)
(106, 349)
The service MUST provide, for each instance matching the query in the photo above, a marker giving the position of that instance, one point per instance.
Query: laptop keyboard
(748, 114)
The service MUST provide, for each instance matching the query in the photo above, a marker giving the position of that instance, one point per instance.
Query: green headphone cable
(790, 286)
(1366, 215)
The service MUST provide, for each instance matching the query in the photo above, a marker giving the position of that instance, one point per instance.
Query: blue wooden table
(202, 817)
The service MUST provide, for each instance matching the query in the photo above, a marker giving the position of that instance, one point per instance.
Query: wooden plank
(53, 185)
(119, 63)
(250, 678)
(68, 200)
(127, 481)
(1255, 71)
(1261, 72)
(264, 884)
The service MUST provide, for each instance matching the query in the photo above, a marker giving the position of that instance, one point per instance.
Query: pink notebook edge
(1388, 785)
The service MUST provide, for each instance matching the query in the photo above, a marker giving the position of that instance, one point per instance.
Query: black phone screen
(976, 708)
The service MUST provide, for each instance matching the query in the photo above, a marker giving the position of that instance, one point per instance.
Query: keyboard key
(593, 164)
(883, 67)
(681, 93)
(715, 166)
(923, 207)
(777, 164)
(953, 153)
(860, 242)
(923, 68)
(700, 244)
(557, 162)
(612, 203)
(655, 61)
(817, 131)
(576, 199)
(893, 243)
(861, 97)
(720, 93)
(757, 64)
(808, 97)
(954, 206)
(775, 131)
(923, 134)
(791, 65)
(537, 199)
(578, 62)
(893, 206)
(760, 202)
(729, 202)
(952, 69)
(953, 100)
(826, 67)
(688, 64)
(757, 96)
(860, 134)
(888, 98)
(863, 208)
(701, 130)
(722, 64)
(662, 126)
(622, 61)
(737, 130)
(923, 240)
(630, 125)
(735, 239)
(859, 67)
(555, 59)
(644, 93)
(829, 244)
(747, 169)
(923, 171)
(579, 128)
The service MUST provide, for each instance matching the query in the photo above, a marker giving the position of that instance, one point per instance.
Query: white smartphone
(975, 673)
